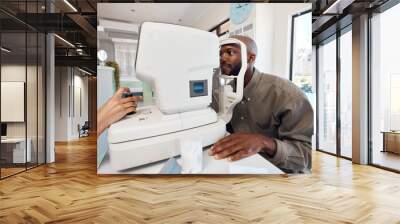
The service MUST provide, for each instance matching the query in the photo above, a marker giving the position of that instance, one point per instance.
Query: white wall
(108, 46)
(263, 35)
(61, 103)
(212, 17)
(14, 73)
(33, 126)
(281, 39)
(271, 31)
(68, 80)
(80, 82)
(17, 73)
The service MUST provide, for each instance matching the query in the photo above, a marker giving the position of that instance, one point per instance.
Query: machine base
(139, 152)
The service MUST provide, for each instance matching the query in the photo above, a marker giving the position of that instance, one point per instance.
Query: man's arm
(291, 151)
(293, 148)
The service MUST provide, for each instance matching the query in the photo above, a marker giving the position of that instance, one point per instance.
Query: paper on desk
(191, 155)
(247, 166)
(171, 167)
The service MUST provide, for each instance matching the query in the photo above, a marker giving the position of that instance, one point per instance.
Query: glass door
(385, 90)
(346, 93)
(327, 126)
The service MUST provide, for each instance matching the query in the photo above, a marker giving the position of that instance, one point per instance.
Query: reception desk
(391, 141)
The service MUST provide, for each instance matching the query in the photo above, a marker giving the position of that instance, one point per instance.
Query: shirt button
(248, 99)
(241, 118)
(243, 102)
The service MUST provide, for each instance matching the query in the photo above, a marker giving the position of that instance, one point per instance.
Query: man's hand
(241, 145)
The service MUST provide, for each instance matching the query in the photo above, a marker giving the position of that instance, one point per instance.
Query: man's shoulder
(280, 85)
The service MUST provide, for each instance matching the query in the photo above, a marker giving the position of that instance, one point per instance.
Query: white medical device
(178, 62)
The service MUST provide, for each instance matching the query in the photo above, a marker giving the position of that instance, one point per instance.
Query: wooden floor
(69, 191)
(387, 159)
(10, 171)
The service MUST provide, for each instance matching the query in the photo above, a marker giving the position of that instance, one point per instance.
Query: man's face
(230, 59)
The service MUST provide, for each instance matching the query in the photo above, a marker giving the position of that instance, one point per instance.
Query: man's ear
(251, 58)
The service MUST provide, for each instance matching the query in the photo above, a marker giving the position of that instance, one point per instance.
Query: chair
(84, 130)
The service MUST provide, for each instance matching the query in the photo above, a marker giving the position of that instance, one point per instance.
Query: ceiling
(329, 16)
(79, 27)
(187, 14)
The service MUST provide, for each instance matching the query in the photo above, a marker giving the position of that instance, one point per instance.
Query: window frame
(334, 37)
(292, 39)
(217, 28)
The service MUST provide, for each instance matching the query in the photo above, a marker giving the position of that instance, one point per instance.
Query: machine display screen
(198, 88)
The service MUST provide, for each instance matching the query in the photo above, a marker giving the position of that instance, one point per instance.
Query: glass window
(22, 92)
(14, 152)
(385, 89)
(221, 30)
(125, 54)
(224, 28)
(327, 97)
(301, 63)
(31, 98)
(346, 94)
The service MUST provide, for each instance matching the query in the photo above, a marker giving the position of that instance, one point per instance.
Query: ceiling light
(5, 50)
(64, 40)
(86, 72)
(337, 7)
(70, 5)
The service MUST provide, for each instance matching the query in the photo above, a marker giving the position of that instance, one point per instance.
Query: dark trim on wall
(80, 102)
(385, 168)
(0, 95)
(291, 50)
(386, 6)
(73, 91)
(69, 92)
(338, 96)
(332, 30)
(369, 100)
(26, 92)
(45, 95)
(317, 96)
(37, 96)
(218, 25)
(60, 76)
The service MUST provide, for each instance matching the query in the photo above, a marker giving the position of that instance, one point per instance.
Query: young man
(274, 118)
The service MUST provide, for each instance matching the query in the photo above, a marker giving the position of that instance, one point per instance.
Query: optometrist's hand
(115, 109)
(241, 145)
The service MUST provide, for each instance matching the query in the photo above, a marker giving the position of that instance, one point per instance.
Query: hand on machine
(118, 106)
(136, 96)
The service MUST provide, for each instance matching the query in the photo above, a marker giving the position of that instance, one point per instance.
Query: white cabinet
(17, 146)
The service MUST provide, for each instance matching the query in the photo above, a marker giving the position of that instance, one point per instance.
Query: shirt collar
(252, 84)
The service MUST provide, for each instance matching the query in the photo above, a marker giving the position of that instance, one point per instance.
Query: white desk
(252, 165)
(19, 149)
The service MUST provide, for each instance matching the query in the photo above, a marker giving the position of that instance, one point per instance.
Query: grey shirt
(278, 109)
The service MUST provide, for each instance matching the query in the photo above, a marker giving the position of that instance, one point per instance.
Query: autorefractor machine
(179, 63)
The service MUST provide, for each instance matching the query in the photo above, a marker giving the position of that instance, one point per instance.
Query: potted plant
(116, 73)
